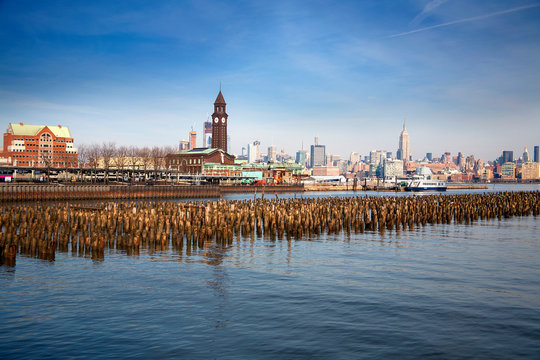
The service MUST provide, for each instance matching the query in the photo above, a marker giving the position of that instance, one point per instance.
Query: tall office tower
(318, 154)
(460, 161)
(219, 127)
(354, 158)
(478, 166)
(507, 156)
(470, 162)
(392, 168)
(376, 157)
(446, 157)
(525, 155)
(272, 153)
(429, 156)
(301, 157)
(404, 145)
(184, 145)
(192, 139)
(537, 153)
(207, 133)
(253, 151)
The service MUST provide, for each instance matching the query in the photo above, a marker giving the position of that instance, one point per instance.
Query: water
(491, 188)
(440, 291)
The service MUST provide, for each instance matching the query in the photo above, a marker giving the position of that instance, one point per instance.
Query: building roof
(220, 99)
(197, 151)
(33, 130)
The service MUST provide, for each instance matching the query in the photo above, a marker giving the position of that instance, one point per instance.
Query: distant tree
(93, 154)
(157, 160)
(133, 160)
(120, 160)
(47, 163)
(107, 150)
(167, 150)
(146, 160)
(82, 158)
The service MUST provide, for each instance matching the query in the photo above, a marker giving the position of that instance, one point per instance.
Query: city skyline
(465, 76)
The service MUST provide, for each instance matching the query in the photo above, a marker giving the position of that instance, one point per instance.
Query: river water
(440, 291)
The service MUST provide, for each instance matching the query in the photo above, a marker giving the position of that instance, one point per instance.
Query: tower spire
(219, 126)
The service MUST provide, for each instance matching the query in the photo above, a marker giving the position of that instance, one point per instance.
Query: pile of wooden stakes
(40, 230)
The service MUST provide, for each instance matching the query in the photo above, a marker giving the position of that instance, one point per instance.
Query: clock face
(216, 120)
(223, 120)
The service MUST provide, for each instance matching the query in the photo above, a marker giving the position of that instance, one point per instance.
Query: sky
(465, 75)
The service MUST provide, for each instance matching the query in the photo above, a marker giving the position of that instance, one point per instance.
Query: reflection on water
(438, 291)
(428, 291)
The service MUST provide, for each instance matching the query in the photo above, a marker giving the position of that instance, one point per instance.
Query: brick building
(192, 161)
(530, 171)
(39, 146)
(507, 171)
(325, 171)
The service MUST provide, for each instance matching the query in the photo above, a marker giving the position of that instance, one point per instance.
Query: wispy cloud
(474, 18)
(60, 107)
(13, 99)
(432, 5)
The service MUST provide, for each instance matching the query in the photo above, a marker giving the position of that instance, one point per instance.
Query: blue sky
(464, 74)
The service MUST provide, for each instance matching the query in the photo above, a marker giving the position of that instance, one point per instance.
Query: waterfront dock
(57, 192)
(39, 229)
(466, 187)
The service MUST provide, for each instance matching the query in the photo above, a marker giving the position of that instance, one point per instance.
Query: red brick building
(39, 146)
(219, 127)
(192, 161)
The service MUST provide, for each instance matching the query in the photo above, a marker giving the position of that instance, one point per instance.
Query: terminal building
(191, 160)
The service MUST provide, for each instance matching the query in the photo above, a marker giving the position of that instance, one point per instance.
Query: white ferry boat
(426, 185)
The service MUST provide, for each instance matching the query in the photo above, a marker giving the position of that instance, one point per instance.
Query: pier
(40, 230)
(32, 192)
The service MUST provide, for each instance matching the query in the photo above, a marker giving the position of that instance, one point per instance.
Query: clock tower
(219, 123)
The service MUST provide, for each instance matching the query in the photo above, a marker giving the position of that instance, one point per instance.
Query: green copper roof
(197, 151)
(33, 130)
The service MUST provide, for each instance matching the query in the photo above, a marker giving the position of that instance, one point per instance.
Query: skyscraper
(460, 161)
(207, 133)
(184, 145)
(253, 151)
(192, 139)
(272, 153)
(354, 158)
(219, 127)
(537, 153)
(318, 154)
(525, 155)
(301, 157)
(507, 156)
(404, 150)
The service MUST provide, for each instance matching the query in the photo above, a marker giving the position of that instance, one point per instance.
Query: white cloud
(430, 7)
(469, 19)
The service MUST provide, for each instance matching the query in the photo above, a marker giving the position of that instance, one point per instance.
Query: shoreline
(383, 188)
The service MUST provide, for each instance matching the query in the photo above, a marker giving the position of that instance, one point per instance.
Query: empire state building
(404, 151)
